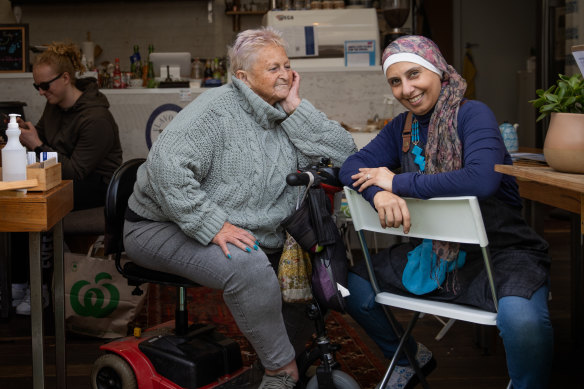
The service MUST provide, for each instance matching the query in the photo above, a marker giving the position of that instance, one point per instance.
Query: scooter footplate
(193, 362)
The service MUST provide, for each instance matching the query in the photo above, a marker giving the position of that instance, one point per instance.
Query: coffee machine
(396, 13)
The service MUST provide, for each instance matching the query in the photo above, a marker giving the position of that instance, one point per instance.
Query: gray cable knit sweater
(225, 157)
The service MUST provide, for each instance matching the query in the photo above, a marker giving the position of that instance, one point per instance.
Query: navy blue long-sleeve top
(482, 149)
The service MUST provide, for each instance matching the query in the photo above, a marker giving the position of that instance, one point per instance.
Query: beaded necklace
(417, 150)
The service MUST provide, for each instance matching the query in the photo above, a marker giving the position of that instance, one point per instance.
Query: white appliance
(329, 39)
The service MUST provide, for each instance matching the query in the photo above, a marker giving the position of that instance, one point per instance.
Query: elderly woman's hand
(236, 236)
(381, 177)
(393, 210)
(292, 101)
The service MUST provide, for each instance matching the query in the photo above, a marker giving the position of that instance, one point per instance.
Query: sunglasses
(46, 85)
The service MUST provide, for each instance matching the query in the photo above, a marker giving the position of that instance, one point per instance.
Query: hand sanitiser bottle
(13, 154)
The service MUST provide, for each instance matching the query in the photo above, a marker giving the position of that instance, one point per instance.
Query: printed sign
(360, 53)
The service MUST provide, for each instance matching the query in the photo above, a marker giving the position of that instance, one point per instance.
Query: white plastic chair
(454, 219)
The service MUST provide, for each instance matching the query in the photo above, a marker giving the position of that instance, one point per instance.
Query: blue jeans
(524, 325)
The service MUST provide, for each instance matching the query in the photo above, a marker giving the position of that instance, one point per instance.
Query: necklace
(417, 150)
(415, 132)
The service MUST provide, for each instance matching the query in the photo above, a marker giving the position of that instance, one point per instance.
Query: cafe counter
(141, 114)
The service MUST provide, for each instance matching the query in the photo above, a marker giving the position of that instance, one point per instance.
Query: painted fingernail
(248, 249)
(255, 246)
(228, 256)
(256, 242)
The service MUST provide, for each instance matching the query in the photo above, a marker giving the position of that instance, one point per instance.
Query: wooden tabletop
(35, 211)
(545, 175)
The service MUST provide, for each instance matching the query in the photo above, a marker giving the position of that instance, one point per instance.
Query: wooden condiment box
(48, 176)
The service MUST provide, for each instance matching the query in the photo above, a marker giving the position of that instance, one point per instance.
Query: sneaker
(404, 377)
(278, 381)
(18, 292)
(24, 307)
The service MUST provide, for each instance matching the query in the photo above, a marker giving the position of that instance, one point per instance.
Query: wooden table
(36, 212)
(564, 191)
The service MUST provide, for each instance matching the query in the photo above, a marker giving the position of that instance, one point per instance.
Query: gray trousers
(250, 287)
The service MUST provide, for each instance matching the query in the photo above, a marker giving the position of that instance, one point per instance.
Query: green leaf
(551, 97)
(566, 95)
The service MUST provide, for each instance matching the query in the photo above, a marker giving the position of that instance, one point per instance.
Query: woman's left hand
(379, 176)
(292, 101)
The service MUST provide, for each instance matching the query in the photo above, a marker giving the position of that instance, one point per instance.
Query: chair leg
(401, 348)
(445, 328)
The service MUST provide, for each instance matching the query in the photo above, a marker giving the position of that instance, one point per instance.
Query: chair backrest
(453, 219)
(119, 190)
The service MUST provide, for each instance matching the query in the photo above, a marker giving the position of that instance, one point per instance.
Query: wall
(503, 32)
(117, 26)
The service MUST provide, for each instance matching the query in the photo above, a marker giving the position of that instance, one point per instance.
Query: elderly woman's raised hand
(380, 176)
(236, 236)
(292, 101)
(393, 210)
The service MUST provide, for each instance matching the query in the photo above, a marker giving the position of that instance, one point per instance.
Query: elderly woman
(452, 147)
(210, 198)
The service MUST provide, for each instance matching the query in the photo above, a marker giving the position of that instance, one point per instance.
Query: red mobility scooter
(175, 355)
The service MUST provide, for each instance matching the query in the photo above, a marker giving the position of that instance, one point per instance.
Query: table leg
(36, 311)
(577, 281)
(5, 279)
(59, 287)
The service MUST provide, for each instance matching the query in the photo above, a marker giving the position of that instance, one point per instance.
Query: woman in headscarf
(443, 146)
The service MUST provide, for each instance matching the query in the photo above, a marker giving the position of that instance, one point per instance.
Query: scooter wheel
(111, 371)
(341, 380)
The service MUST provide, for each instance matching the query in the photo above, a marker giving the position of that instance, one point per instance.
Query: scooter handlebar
(298, 179)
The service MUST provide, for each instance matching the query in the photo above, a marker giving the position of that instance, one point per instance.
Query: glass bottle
(117, 76)
(151, 78)
(208, 73)
(136, 63)
(197, 71)
(216, 69)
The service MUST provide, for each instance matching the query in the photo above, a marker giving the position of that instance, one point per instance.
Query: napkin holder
(48, 175)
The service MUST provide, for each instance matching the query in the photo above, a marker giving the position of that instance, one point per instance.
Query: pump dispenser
(13, 154)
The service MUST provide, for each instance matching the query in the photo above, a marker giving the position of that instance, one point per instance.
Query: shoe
(18, 292)
(24, 307)
(278, 381)
(404, 377)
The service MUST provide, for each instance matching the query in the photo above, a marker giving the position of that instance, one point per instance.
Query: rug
(206, 306)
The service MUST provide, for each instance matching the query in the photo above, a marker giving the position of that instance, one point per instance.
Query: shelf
(236, 15)
(232, 13)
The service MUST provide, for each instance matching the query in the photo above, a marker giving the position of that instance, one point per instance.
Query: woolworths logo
(98, 300)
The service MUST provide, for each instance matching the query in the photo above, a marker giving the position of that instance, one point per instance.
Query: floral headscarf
(443, 148)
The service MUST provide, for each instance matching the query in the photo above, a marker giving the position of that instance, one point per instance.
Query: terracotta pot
(564, 142)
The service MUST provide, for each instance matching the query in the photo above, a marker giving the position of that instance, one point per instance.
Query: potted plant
(564, 142)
